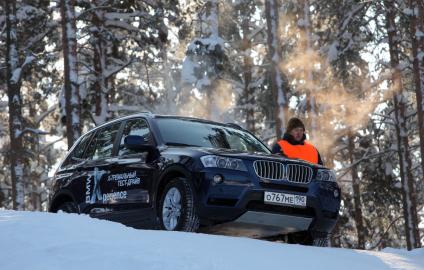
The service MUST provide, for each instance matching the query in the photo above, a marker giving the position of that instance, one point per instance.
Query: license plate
(284, 199)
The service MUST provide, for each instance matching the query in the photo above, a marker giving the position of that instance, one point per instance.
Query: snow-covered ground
(34, 240)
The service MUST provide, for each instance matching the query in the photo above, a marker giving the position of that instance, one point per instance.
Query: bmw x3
(185, 174)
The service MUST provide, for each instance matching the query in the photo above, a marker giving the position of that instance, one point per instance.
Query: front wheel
(310, 238)
(68, 207)
(176, 208)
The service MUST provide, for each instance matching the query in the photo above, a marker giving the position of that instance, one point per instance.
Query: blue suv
(186, 174)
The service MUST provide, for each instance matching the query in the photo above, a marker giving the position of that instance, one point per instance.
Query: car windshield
(184, 132)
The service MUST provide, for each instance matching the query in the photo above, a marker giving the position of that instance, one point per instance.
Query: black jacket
(276, 149)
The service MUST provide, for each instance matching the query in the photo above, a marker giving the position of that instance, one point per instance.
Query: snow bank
(34, 240)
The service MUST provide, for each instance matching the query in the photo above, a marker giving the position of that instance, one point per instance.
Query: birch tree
(70, 88)
(204, 64)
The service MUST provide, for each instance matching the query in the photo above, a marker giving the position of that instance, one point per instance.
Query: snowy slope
(33, 240)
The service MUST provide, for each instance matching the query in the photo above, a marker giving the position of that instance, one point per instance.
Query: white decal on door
(114, 196)
(92, 197)
(125, 179)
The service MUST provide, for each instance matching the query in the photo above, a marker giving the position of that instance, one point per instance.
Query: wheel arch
(169, 174)
(60, 198)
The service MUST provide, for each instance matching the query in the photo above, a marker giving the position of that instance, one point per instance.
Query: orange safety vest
(305, 151)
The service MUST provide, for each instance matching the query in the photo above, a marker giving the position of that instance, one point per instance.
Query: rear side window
(77, 154)
(133, 127)
(102, 144)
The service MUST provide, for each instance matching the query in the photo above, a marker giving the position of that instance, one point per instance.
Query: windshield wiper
(180, 144)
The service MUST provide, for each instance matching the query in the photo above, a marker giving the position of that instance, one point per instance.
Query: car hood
(241, 154)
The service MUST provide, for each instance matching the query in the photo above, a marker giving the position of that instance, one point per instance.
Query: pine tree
(14, 76)
(279, 94)
(405, 164)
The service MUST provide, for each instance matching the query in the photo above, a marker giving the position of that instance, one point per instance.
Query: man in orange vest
(293, 144)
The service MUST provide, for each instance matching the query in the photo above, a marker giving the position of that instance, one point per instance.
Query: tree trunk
(417, 38)
(309, 77)
(360, 228)
(274, 55)
(211, 30)
(70, 89)
(249, 97)
(405, 164)
(15, 107)
(101, 87)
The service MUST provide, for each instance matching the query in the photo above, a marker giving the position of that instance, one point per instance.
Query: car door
(100, 163)
(134, 174)
(69, 177)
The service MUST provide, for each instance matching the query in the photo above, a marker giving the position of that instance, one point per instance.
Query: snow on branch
(256, 31)
(122, 25)
(17, 73)
(37, 38)
(82, 14)
(125, 16)
(32, 130)
(113, 71)
(41, 117)
(345, 170)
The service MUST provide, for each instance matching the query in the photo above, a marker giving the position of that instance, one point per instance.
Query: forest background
(353, 70)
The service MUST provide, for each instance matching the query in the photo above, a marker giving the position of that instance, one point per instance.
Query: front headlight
(326, 175)
(212, 161)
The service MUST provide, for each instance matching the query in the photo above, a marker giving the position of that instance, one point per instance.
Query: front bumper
(260, 224)
(239, 202)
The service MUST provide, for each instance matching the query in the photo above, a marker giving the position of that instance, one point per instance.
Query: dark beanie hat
(294, 123)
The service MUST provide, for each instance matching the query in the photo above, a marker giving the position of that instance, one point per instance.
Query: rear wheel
(68, 207)
(176, 208)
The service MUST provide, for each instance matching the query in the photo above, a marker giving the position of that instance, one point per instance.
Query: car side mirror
(138, 143)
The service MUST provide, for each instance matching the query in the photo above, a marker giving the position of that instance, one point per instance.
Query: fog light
(217, 179)
(336, 193)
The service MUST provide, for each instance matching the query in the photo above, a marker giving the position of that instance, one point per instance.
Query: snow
(121, 24)
(36, 240)
(419, 34)
(16, 75)
(333, 52)
(408, 11)
(28, 12)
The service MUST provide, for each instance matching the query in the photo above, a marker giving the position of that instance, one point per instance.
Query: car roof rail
(144, 112)
(234, 125)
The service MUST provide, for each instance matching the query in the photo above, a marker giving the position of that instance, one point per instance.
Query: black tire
(68, 207)
(310, 238)
(188, 220)
(320, 239)
(302, 238)
(321, 242)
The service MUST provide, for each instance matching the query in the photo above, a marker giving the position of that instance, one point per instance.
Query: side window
(102, 144)
(133, 127)
(77, 154)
